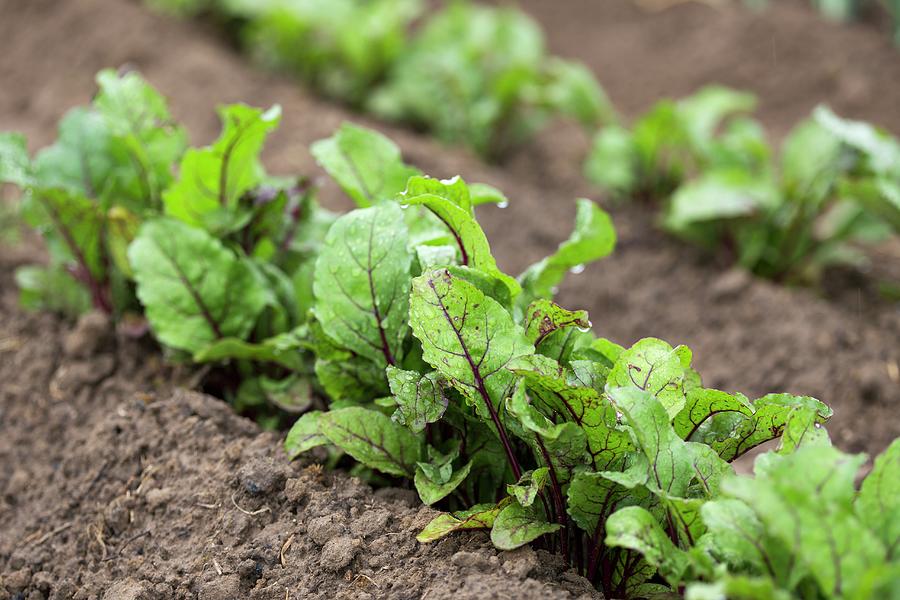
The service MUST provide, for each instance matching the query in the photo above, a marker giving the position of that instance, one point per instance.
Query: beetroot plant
(502, 406)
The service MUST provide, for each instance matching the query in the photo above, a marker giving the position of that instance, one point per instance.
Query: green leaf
(342, 374)
(583, 405)
(701, 404)
(362, 280)
(704, 111)
(655, 367)
(285, 349)
(613, 160)
(605, 352)
(738, 538)
(543, 317)
(53, 289)
(591, 498)
(719, 195)
(373, 439)
(148, 140)
(635, 528)
(420, 398)
(517, 525)
(880, 149)
(529, 485)
(482, 193)
(431, 491)
(122, 228)
(771, 414)
(737, 587)
(194, 290)
(468, 337)
(292, 394)
(432, 257)
(593, 238)
(480, 516)
(366, 164)
(809, 160)
(80, 160)
(77, 232)
(803, 428)
(670, 462)
(880, 196)
(454, 190)
(878, 505)
(304, 435)
(475, 252)
(213, 179)
(488, 284)
(839, 556)
(15, 165)
(573, 91)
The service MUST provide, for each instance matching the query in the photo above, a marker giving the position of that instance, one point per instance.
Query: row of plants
(473, 75)
(414, 354)
(480, 75)
(847, 10)
(832, 189)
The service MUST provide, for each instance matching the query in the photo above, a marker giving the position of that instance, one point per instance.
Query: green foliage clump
(835, 185)
(341, 47)
(89, 191)
(503, 407)
(473, 75)
(216, 259)
(480, 76)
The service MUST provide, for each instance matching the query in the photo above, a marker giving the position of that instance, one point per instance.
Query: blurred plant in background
(473, 75)
(834, 185)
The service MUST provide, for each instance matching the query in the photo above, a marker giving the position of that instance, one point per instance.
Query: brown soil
(115, 487)
(98, 460)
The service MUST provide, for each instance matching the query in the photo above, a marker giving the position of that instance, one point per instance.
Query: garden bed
(111, 477)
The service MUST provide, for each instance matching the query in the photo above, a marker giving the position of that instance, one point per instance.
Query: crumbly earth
(116, 487)
(113, 484)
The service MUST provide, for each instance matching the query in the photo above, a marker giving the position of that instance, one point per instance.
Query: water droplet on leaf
(577, 269)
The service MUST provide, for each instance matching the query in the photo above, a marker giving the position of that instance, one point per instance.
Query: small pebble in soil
(339, 552)
(261, 476)
(730, 284)
(472, 560)
(322, 529)
(295, 490)
(92, 334)
(226, 587)
(128, 589)
(370, 522)
(520, 562)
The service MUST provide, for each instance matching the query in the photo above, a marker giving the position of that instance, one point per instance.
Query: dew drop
(577, 269)
(404, 206)
(503, 204)
(586, 329)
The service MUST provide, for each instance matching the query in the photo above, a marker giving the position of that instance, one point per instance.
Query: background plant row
(480, 76)
(472, 75)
